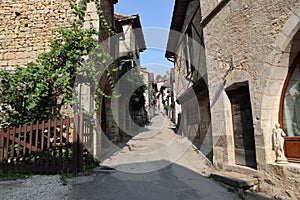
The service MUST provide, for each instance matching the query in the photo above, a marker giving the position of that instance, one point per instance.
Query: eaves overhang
(134, 21)
(178, 17)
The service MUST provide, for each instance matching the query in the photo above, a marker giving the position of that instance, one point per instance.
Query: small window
(189, 51)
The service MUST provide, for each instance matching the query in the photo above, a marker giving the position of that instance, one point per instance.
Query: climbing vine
(98, 57)
(80, 11)
(135, 80)
(38, 91)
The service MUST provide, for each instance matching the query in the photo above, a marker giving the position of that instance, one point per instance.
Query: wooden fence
(48, 147)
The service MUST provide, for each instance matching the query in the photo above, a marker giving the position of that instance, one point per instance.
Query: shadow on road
(173, 182)
(154, 164)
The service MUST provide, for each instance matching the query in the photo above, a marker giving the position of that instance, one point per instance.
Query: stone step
(235, 179)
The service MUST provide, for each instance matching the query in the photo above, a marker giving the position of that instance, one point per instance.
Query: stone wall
(192, 92)
(247, 43)
(26, 31)
(251, 41)
(207, 6)
(25, 28)
(239, 41)
(280, 181)
(197, 55)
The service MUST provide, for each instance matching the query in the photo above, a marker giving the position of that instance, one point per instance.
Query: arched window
(290, 101)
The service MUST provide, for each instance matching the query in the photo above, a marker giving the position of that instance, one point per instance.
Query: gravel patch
(36, 187)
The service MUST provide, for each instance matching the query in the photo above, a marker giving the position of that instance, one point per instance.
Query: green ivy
(80, 10)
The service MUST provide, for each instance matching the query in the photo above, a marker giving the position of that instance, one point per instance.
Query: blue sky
(153, 14)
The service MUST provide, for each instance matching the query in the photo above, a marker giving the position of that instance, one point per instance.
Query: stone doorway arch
(286, 48)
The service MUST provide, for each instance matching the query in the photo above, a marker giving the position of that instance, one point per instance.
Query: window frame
(284, 89)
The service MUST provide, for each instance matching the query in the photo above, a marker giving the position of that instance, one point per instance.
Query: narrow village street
(171, 100)
(153, 165)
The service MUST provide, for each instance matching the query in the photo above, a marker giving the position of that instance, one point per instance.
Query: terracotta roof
(121, 16)
(134, 21)
(135, 18)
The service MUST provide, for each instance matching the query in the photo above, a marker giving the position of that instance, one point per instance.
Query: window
(189, 51)
(291, 102)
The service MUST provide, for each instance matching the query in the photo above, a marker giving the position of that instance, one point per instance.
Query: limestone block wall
(252, 41)
(26, 31)
(25, 28)
(245, 41)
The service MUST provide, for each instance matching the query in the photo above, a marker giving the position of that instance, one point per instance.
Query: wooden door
(243, 127)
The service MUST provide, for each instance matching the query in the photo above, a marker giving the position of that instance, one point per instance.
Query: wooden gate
(47, 147)
(243, 127)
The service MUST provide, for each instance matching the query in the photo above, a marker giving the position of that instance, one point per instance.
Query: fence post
(67, 146)
(1, 144)
(75, 145)
(80, 144)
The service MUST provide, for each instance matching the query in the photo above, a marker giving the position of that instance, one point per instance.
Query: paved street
(155, 164)
(162, 166)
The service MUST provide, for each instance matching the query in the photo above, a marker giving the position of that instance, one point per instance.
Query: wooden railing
(47, 147)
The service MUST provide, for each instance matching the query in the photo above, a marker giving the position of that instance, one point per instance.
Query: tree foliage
(135, 80)
(158, 76)
(38, 91)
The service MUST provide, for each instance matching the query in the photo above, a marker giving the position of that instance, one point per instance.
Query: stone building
(26, 30)
(164, 94)
(190, 76)
(131, 44)
(237, 61)
(150, 94)
(26, 27)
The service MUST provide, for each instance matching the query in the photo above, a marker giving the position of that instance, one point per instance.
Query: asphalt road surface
(173, 182)
(156, 164)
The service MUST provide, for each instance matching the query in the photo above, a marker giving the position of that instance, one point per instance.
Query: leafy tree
(158, 76)
(38, 91)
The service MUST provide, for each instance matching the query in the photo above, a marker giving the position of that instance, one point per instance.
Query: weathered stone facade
(250, 45)
(254, 45)
(131, 43)
(190, 88)
(25, 29)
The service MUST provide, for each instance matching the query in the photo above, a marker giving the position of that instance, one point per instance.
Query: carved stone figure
(278, 143)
